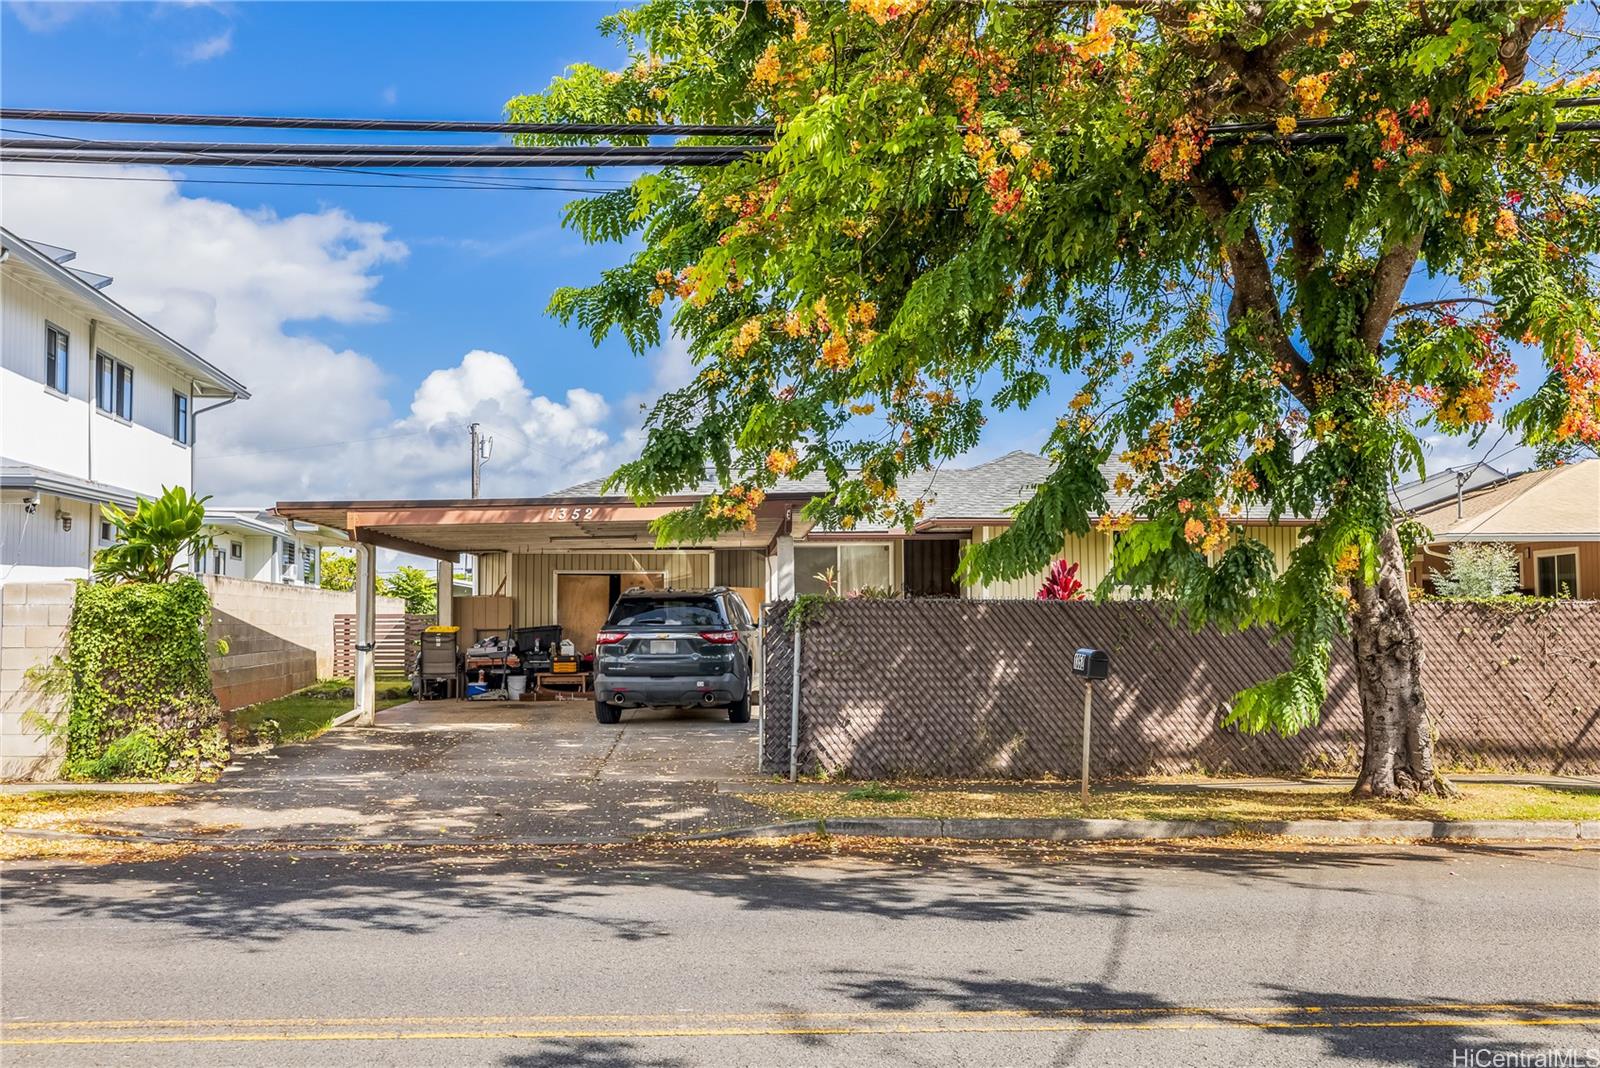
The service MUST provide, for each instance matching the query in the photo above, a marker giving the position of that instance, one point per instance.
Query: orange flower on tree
(781, 461)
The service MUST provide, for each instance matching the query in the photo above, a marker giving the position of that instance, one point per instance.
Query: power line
(279, 122)
(529, 187)
(322, 445)
(344, 157)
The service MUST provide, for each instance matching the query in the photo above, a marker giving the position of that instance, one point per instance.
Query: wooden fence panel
(398, 639)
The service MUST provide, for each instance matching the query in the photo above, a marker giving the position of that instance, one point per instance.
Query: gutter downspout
(92, 393)
(194, 428)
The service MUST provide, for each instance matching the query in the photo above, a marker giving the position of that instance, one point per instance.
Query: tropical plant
(1062, 583)
(1196, 222)
(338, 570)
(155, 541)
(1474, 569)
(413, 585)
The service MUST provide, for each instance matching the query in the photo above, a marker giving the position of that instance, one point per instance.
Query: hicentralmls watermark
(1488, 1057)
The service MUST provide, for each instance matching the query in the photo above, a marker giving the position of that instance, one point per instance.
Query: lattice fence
(985, 688)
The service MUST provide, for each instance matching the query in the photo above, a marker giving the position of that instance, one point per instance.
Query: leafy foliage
(338, 570)
(141, 703)
(413, 585)
(153, 542)
(1486, 569)
(974, 207)
(1062, 583)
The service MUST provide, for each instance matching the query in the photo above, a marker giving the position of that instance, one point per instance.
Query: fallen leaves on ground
(1478, 801)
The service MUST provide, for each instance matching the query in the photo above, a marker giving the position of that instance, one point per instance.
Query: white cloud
(229, 282)
(45, 16)
(210, 48)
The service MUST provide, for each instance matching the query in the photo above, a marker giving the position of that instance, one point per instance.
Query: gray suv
(675, 648)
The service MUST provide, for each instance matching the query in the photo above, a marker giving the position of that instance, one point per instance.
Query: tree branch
(1424, 305)
(1253, 288)
(1388, 280)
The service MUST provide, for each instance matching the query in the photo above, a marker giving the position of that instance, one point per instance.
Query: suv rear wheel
(609, 714)
(739, 711)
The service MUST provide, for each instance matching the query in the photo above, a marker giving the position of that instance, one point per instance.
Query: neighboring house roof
(984, 493)
(85, 286)
(1442, 485)
(1557, 504)
(32, 479)
(263, 521)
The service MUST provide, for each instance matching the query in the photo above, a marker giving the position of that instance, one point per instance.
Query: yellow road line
(756, 1032)
(857, 1014)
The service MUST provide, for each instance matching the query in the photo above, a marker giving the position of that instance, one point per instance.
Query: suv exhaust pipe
(708, 698)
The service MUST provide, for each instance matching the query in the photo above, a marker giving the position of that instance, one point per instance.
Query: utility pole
(481, 448)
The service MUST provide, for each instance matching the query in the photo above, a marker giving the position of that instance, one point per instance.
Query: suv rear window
(656, 612)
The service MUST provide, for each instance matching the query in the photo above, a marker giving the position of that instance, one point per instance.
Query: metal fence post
(1088, 699)
(794, 712)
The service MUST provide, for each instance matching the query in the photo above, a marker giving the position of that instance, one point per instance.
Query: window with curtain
(854, 567)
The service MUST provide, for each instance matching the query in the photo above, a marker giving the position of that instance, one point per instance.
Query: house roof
(263, 521)
(1556, 504)
(30, 478)
(984, 493)
(47, 262)
(1441, 486)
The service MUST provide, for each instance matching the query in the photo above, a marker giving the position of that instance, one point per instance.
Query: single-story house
(255, 544)
(1551, 517)
(563, 558)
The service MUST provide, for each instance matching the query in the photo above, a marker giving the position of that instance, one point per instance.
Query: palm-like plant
(151, 541)
(1062, 583)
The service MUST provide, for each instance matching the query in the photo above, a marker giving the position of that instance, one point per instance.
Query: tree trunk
(1398, 757)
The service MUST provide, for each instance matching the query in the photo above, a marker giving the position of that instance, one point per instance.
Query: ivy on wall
(141, 703)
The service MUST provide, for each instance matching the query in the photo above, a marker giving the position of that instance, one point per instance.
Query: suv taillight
(720, 637)
(609, 637)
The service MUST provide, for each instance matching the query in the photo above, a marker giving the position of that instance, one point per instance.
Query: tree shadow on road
(589, 1053)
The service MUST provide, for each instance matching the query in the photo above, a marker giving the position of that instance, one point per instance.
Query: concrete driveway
(477, 771)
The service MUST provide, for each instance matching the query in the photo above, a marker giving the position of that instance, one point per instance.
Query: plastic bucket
(516, 686)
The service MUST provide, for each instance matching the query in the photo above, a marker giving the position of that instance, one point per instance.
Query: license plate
(663, 647)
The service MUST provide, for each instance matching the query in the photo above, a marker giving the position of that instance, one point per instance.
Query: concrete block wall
(33, 628)
(280, 638)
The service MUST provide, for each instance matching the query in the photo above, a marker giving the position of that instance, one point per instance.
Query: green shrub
(151, 543)
(141, 703)
(1476, 569)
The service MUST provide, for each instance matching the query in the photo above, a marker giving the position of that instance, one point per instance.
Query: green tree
(154, 543)
(413, 585)
(969, 206)
(338, 570)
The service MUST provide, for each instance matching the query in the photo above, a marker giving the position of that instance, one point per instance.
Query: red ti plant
(1062, 583)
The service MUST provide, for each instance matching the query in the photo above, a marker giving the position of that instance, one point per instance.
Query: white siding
(69, 434)
(38, 425)
(34, 548)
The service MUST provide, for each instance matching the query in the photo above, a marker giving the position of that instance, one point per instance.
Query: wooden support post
(366, 681)
(445, 573)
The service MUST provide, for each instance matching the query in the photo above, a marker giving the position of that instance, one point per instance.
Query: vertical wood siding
(741, 567)
(1093, 556)
(533, 576)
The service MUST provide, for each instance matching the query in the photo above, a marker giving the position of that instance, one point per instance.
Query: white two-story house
(96, 405)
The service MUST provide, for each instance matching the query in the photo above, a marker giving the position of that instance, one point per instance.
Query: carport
(546, 560)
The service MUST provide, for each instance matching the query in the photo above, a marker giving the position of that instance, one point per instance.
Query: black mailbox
(1091, 663)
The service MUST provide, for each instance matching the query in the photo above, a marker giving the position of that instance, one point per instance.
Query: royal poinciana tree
(972, 206)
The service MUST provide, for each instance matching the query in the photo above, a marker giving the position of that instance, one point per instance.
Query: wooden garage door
(584, 601)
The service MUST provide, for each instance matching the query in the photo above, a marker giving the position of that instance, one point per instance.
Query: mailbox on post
(1091, 665)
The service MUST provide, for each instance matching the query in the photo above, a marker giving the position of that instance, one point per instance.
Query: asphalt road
(655, 957)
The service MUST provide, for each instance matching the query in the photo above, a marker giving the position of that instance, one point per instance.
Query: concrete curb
(1166, 830)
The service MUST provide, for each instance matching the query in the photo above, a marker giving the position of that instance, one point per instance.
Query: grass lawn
(1478, 801)
(307, 713)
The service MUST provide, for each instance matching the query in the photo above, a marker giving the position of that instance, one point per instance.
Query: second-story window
(125, 391)
(114, 386)
(105, 383)
(55, 359)
(180, 418)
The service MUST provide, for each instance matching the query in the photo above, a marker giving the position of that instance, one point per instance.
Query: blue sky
(371, 323)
